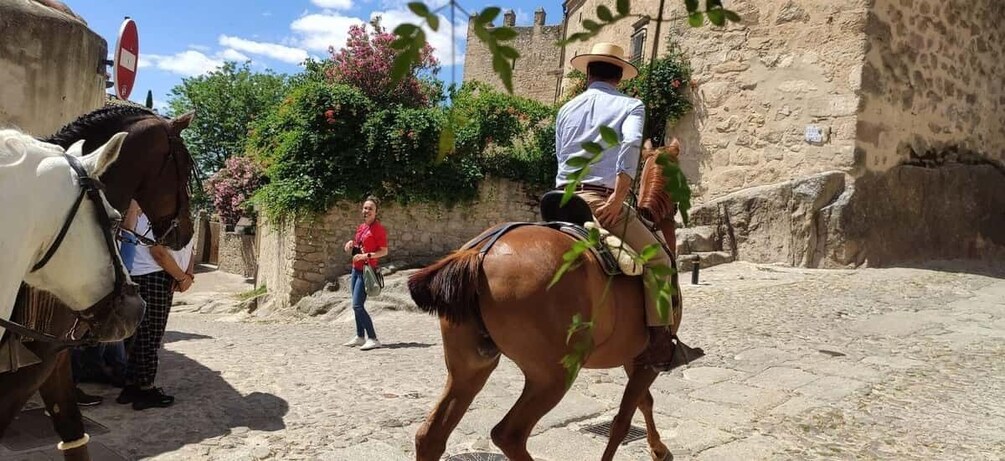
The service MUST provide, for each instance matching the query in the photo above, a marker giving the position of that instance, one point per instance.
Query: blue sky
(183, 38)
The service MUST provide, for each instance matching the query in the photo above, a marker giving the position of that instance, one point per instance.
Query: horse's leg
(639, 380)
(17, 387)
(58, 393)
(541, 392)
(659, 451)
(467, 372)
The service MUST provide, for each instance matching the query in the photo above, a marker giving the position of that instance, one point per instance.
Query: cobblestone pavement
(801, 364)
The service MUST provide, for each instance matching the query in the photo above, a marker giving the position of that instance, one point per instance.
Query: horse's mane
(12, 136)
(103, 120)
(655, 204)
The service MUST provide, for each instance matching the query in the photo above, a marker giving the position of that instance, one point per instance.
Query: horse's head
(159, 157)
(79, 261)
(154, 167)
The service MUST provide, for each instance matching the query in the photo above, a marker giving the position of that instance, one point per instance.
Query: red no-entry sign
(127, 54)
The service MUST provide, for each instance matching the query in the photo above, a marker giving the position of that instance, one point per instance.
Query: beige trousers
(638, 236)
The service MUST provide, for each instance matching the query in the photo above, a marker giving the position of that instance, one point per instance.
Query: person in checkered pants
(159, 272)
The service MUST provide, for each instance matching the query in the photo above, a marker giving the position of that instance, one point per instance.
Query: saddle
(576, 220)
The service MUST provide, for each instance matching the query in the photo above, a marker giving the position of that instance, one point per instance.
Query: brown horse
(499, 301)
(154, 168)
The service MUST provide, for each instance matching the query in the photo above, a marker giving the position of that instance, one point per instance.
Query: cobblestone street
(801, 364)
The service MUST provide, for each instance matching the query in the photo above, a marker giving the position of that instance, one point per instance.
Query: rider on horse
(610, 179)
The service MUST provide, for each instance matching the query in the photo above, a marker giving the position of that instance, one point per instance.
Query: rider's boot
(665, 351)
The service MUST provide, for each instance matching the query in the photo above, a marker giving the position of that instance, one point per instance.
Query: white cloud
(319, 31)
(186, 63)
(439, 40)
(272, 50)
(333, 4)
(233, 55)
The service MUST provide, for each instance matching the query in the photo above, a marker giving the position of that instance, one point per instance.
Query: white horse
(38, 190)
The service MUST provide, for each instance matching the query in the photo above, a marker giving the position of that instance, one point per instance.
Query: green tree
(226, 101)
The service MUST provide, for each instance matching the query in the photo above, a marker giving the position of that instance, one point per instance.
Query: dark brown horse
(499, 301)
(154, 168)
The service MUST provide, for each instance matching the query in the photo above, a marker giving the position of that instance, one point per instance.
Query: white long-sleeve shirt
(579, 121)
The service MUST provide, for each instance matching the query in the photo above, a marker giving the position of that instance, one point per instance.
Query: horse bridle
(173, 141)
(91, 188)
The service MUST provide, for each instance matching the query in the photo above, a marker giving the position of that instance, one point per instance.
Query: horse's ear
(103, 157)
(77, 149)
(647, 148)
(182, 121)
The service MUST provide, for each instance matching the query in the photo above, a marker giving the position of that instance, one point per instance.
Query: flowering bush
(232, 186)
(365, 63)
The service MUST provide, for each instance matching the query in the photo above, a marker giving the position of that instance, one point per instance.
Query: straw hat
(609, 53)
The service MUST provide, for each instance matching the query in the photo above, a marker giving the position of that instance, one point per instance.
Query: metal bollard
(695, 265)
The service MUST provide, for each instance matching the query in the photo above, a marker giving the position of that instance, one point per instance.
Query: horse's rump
(449, 287)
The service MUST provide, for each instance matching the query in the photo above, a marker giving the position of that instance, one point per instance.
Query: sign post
(127, 53)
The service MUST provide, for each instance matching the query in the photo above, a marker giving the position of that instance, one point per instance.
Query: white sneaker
(356, 341)
(370, 344)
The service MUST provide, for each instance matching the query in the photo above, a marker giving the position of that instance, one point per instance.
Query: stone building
(881, 121)
(536, 73)
(51, 65)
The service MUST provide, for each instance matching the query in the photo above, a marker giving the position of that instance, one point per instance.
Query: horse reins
(91, 188)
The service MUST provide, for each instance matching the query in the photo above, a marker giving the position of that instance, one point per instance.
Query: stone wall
(933, 82)
(297, 259)
(238, 254)
(912, 116)
(51, 65)
(758, 85)
(536, 72)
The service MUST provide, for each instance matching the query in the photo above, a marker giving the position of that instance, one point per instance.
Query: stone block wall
(298, 258)
(760, 84)
(932, 83)
(536, 72)
(908, 98)
(51, 66)
(238, 254)
(757, 86)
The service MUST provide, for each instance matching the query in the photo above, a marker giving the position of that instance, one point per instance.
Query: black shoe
(150, 398)
(666, 352)
(87, 400)
(128, 394)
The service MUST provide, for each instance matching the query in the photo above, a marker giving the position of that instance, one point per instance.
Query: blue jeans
(104, 362)
(127, 249)
(363, 320)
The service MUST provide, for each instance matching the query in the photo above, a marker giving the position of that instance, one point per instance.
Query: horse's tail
(449, 287)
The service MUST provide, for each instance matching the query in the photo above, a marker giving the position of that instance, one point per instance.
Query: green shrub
(311, 149)
(493, 117)
(402, 146)
(326, 143)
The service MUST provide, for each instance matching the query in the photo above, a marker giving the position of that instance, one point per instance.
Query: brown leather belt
(592, 188)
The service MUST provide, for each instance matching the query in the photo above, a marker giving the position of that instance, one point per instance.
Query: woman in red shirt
(369, 244)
